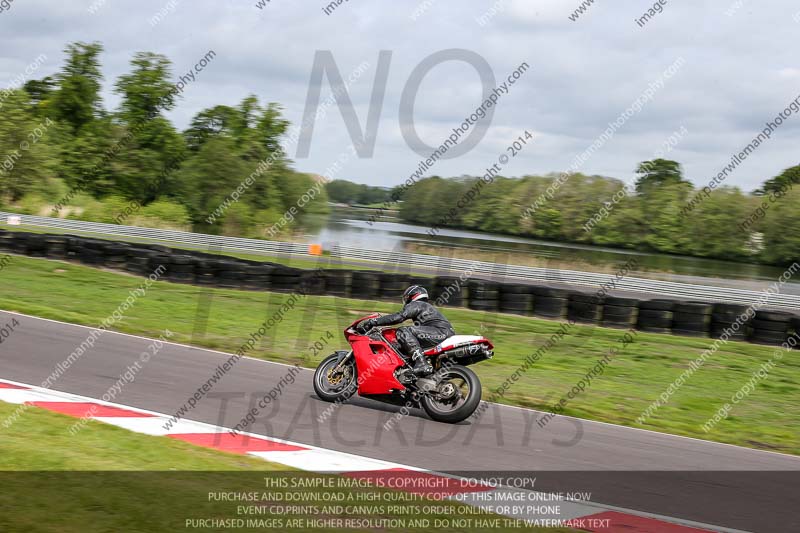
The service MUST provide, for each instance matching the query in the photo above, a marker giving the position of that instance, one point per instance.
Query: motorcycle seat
(454, 342)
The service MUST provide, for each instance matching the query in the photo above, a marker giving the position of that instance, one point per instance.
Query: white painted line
(324, 461)
(154, 425)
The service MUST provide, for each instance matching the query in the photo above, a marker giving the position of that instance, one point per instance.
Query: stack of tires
(586, 308)
(516, 299)
(55, 246)
(621, 313)
(19, 242)
(285, 279)
(36, 245)
(447, 291)
(230, 274)
(92, 252)
(6, 241)
(138, 261)
(392, 286)
(655, 316)
(692, 319)
(795, 332)
(426, 283)
(158, 265)
(366, 285)
(726, 318)
(74, 247)
(116, 256)
(205, 271)
(483, 295)
(338, 282)
(550, 303)
(180, 268)
(257, 276)
(771, 327)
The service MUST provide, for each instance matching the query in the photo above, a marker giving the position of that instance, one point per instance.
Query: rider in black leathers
(429, 329)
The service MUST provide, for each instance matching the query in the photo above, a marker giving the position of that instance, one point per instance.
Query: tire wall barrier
(687, 318)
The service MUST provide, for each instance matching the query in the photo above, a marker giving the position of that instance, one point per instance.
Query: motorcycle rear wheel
(335, 387)
(463, 379)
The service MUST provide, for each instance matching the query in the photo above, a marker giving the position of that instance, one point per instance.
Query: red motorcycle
(375, 369)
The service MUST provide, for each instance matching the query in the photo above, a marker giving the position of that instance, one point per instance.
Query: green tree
(150, 143)
(218, 120)
(785, 180)
(26, 155)
(41, 93)
(207, 178)
(147, 90)
(712, 225)
(77, 100)
(781, 238)
(85, 157)
(666, 231)
(657, 173)
(625, 225)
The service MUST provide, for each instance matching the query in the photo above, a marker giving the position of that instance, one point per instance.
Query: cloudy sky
(740, 68)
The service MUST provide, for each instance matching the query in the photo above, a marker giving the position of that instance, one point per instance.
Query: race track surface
(690, 479)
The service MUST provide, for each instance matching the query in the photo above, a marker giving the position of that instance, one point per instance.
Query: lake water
(350, 227)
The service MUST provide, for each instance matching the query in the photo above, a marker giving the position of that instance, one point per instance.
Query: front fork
(344, 356)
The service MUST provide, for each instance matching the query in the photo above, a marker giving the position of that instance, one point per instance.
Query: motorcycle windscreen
(376, 364)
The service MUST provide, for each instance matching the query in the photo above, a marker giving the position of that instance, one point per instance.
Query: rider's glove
(366, 325)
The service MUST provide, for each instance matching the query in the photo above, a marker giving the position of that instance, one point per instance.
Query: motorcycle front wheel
(335, 385)
(455, 398)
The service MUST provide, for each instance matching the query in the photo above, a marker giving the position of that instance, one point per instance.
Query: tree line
(763, 225)
(58, 141)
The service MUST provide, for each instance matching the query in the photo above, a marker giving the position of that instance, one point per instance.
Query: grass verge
(767, 418)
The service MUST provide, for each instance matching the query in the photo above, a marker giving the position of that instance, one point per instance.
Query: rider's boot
(422, 367)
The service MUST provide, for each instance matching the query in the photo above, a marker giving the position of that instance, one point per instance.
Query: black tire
(586, 298)
(550, 307)
(393, 281)
(365, 285)
(517, 307)
(621, 302)
(693, 308)
(727, 312)
(685, 321)
(514, 297)
(657, 305)
(718, 329)
(768, 325)
(549, 292)
(772, 338)
(514, 288)
(484, 305)
(484, 294)
(340, 393)
(654, 319)
(774, 316)
(463, 411)
(581, 311)
(616, 310)
(618, 316)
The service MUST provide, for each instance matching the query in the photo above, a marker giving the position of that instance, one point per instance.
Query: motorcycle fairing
(376, 362)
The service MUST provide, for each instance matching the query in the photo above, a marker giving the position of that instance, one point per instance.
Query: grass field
(767, 418)
(96, 482)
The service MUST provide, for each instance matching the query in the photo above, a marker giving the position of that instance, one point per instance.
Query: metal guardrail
(440, 264)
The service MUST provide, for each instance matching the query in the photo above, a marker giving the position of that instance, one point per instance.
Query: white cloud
(739, 73)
